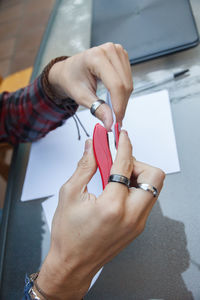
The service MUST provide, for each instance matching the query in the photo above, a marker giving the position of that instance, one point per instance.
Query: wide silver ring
(96, 105)
(119, 179)
(148, 187)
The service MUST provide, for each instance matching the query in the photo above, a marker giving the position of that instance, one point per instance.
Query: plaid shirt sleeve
(28, 114)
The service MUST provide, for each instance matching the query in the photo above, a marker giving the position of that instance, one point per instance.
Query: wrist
(54, 75)
(60, 280)
(50, 79)
(53, 89)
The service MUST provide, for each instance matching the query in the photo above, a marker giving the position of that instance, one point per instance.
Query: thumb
(86, 168)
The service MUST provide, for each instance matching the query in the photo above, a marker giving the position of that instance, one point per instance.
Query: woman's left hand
(76, 77)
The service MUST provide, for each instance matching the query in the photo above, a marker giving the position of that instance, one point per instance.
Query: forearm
(28, 114)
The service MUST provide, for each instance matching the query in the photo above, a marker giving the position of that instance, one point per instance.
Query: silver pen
(160, 82)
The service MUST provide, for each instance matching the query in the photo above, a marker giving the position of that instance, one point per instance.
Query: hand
(87, 231)
(76, 77)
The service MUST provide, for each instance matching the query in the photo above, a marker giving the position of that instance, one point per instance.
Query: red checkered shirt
(28, 114)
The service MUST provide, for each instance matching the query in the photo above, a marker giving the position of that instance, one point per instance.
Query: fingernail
(88, 146)
(125, 132)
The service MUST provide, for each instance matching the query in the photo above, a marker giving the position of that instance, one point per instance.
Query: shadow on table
(23, 249)
(151, 267)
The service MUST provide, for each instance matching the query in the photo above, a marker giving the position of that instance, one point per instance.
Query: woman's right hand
(87, 231)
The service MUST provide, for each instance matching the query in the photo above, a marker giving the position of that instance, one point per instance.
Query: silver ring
(120, 179)
(96, 105)
(149, 188)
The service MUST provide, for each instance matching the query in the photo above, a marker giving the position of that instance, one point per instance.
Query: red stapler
(105, 144)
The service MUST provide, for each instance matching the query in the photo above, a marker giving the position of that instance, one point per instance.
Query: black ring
(120, 179)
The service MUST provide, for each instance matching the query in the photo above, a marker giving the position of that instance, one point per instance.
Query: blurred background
(22, 25)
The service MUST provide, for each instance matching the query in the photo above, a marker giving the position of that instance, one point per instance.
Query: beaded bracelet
(61, 101)
(29, 293)
(68, 104)
(34, 277)
(49, 91)
(33, 295)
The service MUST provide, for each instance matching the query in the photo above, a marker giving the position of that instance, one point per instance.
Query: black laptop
(146, 28)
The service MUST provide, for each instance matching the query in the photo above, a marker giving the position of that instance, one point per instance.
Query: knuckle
(69, 189)
(159, 174)
(126, 53)
(95, 55)
(72, 188)
(121, 87)
(98, 51)
(113, 212)
(109, 46)
(119, 47)
(136, 227)
(87, 164)
(65, 189)
(84, 163)
(130, 225)
(87, 55)
(129, 88)
(140, 228)
(134, 223)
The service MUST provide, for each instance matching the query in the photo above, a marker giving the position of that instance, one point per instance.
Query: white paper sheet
(49, 207)
(54, 158)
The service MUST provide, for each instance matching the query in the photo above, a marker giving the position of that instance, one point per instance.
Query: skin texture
(77, 77)
(87, 231)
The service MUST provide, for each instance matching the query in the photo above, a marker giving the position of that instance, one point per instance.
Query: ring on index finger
(96, 105)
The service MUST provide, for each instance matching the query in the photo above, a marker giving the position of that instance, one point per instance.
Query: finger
(138, 208)
(85, 170)
(123, 164)
(123, 54)
(100, 66)
(118, 57)
(104, 113)
(145, 173)
(141, 201)
(120, 61)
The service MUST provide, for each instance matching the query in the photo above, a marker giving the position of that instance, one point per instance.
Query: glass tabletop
(164, 262)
